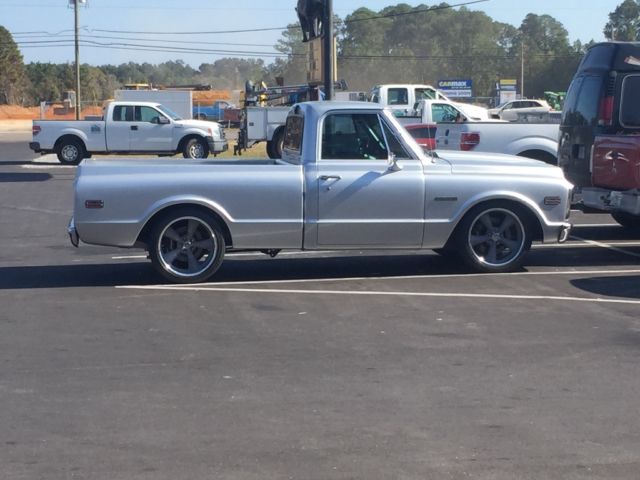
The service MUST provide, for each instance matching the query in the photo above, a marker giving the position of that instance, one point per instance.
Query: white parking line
(608, 246)
(484, 296)
(402, 277)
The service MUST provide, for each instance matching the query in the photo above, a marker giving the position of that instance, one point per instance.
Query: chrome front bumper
(565, 230)
(73, 233)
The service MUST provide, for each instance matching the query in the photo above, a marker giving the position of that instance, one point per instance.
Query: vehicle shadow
(232, 270)
(627, 286)
(329, 266)
(21, 177)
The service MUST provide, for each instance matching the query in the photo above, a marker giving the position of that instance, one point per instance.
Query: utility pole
(77, 28)
(522, 68)
(327, 27)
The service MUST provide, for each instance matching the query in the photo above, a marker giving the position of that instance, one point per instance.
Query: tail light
(35, 129)
(469, 140)
(605, 111)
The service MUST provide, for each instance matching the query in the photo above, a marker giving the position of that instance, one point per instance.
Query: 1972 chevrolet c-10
(350, 177)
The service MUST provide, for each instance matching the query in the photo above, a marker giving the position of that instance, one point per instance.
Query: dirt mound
(53, 112)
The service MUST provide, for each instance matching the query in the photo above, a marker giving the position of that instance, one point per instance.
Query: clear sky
(32, 22)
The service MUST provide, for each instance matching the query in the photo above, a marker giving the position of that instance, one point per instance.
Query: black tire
(494, 237)
(195, 148)
(70, 151)
(186, 246)
(269, 148)
(627, 220)
(276, 144)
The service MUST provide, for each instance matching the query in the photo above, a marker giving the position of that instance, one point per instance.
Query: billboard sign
(456, 88)
(508, 88)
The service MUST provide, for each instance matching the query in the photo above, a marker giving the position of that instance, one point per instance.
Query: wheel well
(69, 137)
(532, 219)
(186, 138)
(143, 237)
(541, 155)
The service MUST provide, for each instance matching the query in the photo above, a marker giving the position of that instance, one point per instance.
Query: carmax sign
(456, 88)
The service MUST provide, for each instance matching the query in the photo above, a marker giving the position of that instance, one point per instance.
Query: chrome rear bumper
(73, 233)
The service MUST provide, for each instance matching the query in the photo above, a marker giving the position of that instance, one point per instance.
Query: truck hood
(201, 124)
(498, 164)
(474, 112)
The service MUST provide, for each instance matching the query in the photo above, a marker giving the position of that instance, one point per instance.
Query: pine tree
(13, 80)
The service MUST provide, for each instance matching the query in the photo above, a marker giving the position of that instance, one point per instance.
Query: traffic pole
(328, 50)
(77, 28)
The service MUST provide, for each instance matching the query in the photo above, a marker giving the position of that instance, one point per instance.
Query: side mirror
(163, 120)
(393, 163)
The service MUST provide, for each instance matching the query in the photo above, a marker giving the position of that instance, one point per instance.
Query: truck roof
(133, 102)
(323, 106)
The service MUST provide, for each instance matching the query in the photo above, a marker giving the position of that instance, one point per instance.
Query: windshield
(168, 112)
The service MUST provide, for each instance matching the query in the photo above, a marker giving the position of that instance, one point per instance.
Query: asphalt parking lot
(322, 365)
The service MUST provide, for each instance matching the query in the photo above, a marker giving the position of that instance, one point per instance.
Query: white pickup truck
(456, 131)
(532, 140)
(128, 128)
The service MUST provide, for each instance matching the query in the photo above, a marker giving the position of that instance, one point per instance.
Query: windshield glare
(168, 112)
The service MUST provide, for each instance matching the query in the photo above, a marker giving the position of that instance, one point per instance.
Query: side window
(293, 134)
(442, 113)
(424, 94)
(353, 136)
(123, 113)
(629, 111)
(570, 100)
(398, 96)
(146, 114)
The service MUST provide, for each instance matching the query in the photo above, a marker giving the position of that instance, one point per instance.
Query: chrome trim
(73, 233)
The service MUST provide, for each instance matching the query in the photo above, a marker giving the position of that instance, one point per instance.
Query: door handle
(134, 127)
(330, 177)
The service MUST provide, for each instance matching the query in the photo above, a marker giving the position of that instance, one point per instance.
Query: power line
(250, 30)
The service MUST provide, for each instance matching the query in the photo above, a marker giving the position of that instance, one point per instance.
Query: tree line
(398, 44)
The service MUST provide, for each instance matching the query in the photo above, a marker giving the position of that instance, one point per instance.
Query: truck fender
(165, 204)
(72, 132)
(505, 195)
(532, 144)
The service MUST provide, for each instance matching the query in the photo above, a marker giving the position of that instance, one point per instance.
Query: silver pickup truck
(350, 177)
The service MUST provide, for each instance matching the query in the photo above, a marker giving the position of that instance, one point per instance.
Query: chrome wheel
(187, 247)
(195, 148)
(496, 237)
(70, 153)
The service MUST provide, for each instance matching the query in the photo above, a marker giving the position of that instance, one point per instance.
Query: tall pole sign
(77, 44)
(328, 49)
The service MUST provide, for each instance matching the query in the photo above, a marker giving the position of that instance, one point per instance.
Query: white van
(402, 98)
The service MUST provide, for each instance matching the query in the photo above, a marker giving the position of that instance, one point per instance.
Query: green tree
(624, 22)
(13, 80)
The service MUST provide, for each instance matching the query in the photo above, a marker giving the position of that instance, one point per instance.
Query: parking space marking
(401, 277)
(608, 246)
(484, 296)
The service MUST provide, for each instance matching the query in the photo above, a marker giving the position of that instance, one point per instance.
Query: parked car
(214, 112)
(424, 134)
(350, 177)
(510, 110)
(599, 146)
(128, 128)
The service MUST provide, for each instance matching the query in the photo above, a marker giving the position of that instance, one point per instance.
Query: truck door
(447, 133)
(117, 130)
(361, 200)
(148, 133)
